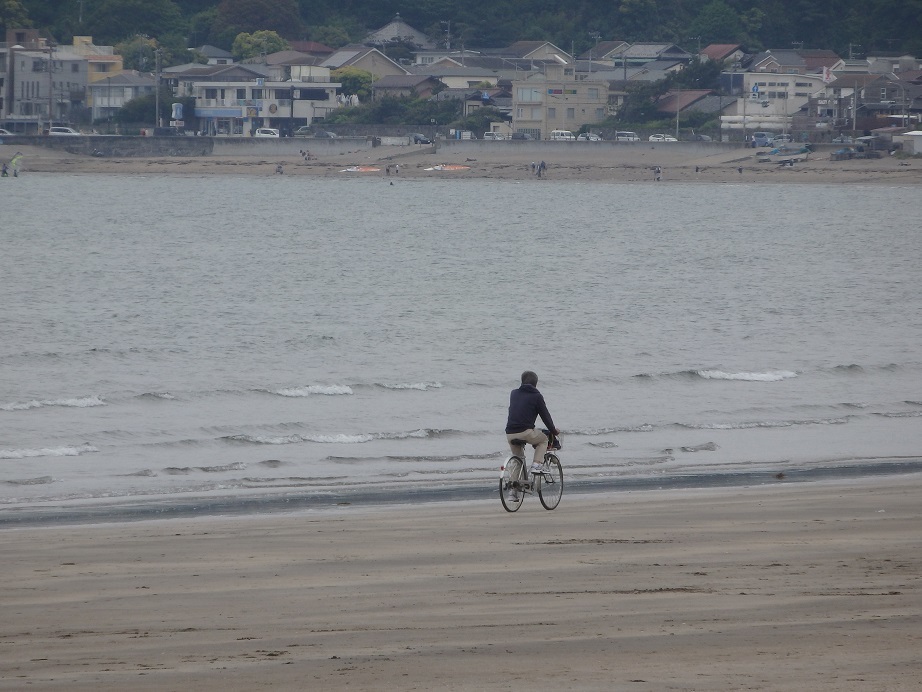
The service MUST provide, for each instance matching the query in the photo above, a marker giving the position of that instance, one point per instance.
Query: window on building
(551, 113)
(593, 93)
(527, 94)
(241, 94)
(257, 93)
(211, 93)
(571, 113)
(75, 67)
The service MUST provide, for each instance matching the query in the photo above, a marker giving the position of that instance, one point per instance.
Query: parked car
(626, 137)
(762, 139)
(495, 136)
(782, 139)
(700, 138)
(661, 138)
(588, 137)
(323, 134)
(521, 135)
(57, 131)
(562, 136)
(419, 138)
(303, 131)
(266, 132)
(6, 133)
(843, 139)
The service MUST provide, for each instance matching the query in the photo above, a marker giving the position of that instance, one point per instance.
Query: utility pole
(157, 88)
(50, 86)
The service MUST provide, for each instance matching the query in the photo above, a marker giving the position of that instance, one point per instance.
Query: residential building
(557, 100)
(239, 102)
(373, 61)
(106, 96)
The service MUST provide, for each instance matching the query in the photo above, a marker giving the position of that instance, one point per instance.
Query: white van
(495, 136)
(562, 136)
(626, 137)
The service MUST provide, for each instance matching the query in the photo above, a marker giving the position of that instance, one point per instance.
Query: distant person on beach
(525, 405)
(6, 171)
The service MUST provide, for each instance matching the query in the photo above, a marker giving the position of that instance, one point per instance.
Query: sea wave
(157, 395)
(47, 452)
(768, 376)
(422, 386)
(80, 402)
(315, 389)
(341, 438)
(643, 428)
(713, 374)
(41, 480)
(747, 425)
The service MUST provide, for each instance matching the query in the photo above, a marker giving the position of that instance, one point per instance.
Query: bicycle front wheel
(550, 483)
(511, 493)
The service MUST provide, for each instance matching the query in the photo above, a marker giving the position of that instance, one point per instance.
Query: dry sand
(813, 586)
(603, 162)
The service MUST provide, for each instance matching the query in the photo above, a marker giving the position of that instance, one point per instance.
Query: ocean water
(260, 341)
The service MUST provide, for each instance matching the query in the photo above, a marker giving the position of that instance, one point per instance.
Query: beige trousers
(533, 437)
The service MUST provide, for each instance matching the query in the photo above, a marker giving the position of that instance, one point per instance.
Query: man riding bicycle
(525, 404)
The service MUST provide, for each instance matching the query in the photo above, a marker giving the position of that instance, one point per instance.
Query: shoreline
(786, 587)
(134, 509)
(585, 162)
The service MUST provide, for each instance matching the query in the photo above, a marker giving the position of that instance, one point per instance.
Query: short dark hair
(528, 377)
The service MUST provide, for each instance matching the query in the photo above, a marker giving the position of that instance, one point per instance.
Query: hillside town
(536, 86)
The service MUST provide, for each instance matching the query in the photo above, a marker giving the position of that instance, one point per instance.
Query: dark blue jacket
(526, 404)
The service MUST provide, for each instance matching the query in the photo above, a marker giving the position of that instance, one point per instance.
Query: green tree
(142, 109)
(137, 53)
(111, 21)
(250, 16)
(258, 43)
(354, 81)
(13, 16)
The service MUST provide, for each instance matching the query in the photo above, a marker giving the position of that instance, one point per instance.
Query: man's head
(528, 377)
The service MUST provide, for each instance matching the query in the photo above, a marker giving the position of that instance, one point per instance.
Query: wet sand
(809, 586)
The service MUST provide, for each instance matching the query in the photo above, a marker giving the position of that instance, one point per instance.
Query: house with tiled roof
(640, 53)
(404, 85)
(398, 31)
(215, 55)
(372, 60)
(722, 53)
(605, 51)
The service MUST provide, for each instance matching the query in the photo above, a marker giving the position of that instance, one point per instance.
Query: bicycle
(514, 483)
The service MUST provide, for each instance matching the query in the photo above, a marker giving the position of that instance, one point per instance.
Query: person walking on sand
(525, 405)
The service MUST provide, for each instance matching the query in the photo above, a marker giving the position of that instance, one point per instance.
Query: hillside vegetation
(850, 27)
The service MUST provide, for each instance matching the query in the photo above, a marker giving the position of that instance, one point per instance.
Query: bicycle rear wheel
(511, 493)
(550, 483)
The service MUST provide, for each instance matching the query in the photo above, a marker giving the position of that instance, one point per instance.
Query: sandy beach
(809, 586)
(605, 162)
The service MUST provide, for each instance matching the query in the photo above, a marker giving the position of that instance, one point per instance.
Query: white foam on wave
(47, 452)
(82, 402)
(422, 386)
(769, 376)
(341, 438)
(315, 389)
(748, 425)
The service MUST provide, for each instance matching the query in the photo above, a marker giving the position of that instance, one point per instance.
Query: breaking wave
(82, 402)
(47, 452)
(769, 376)
(422, 386)
(315, 389)
(341, 438)
(747, 425)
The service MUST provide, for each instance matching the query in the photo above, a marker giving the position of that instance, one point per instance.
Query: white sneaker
(537, 468)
